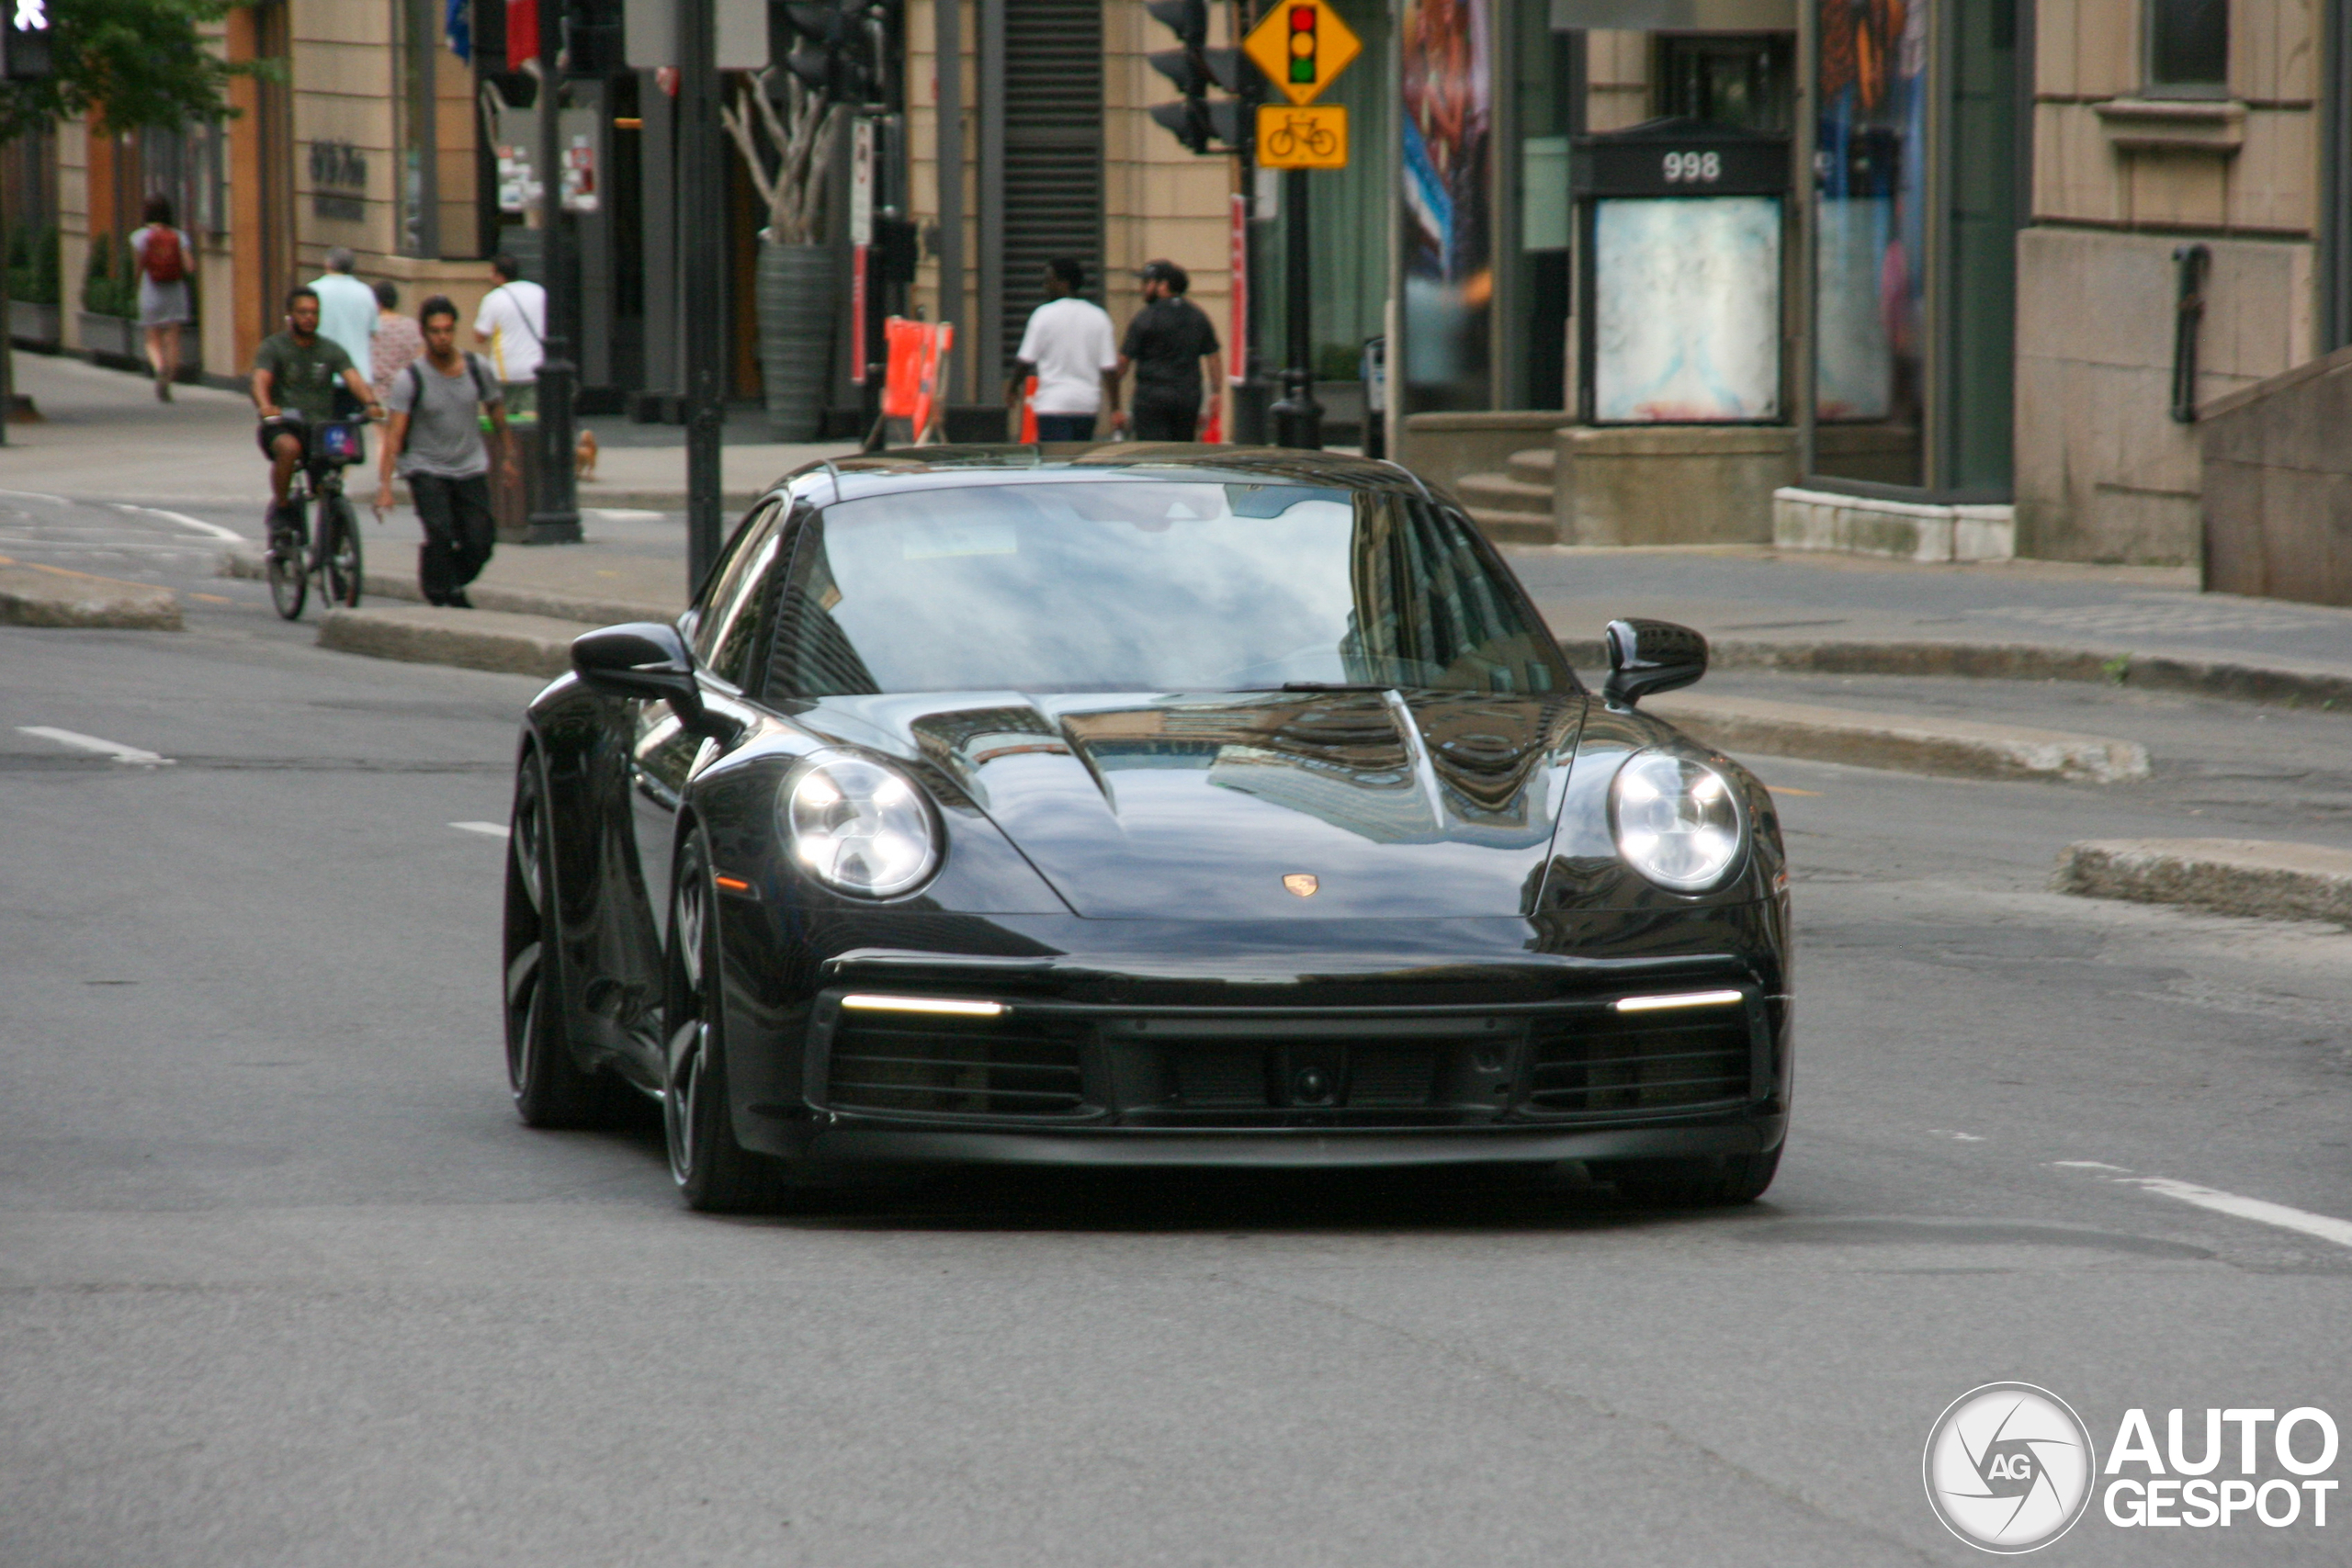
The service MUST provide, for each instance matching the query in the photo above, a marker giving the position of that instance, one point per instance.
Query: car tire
(715, 1174)
(1710, 1182)
(543, 1072)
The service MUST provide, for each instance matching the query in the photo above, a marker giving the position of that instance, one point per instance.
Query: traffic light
(1197, 120)
(25, 41)
(835, 48)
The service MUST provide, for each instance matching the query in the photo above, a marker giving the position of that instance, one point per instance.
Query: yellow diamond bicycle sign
(1306, 136)
(1302, 46)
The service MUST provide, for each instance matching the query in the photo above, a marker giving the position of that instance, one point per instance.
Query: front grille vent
(984, 1068)
(1606, 1062)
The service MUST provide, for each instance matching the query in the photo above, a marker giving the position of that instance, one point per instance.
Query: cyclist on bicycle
(295, 376)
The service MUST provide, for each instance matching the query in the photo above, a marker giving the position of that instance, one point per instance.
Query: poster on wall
(1686, 310)
(1448, 265)
(1869, 276)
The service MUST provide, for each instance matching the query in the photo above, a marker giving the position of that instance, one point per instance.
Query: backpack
(416, 389)
(162, 258)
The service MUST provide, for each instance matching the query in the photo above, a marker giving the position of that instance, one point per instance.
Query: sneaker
(457, 600)
(163, 390)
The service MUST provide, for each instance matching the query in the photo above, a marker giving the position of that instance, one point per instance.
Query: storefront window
(414, 170)
(1869, 276)
(1449, 248)
(1729, 79)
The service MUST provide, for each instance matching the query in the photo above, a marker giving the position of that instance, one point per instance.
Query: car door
(663, 754)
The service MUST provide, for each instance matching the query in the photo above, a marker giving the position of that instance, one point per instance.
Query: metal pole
(949, 62)
(1298, 418)
(556, 519)
(702, 280)
(7, 335)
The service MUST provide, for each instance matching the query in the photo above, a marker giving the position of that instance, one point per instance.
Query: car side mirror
(1647, 657)
(646, 661)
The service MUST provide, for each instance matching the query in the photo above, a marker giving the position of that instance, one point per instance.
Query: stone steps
(1514, 506)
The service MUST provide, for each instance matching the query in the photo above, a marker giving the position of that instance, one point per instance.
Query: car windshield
(1149, 585)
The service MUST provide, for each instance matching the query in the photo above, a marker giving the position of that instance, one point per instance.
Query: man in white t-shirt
(346, 306)
(512, 328)
(1073, 350)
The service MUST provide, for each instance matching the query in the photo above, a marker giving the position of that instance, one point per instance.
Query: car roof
(927, 468)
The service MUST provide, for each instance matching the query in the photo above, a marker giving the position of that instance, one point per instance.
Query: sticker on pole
(1302, 46)
(1313, 137)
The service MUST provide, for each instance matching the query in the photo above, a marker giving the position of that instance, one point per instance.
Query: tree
(129, 65)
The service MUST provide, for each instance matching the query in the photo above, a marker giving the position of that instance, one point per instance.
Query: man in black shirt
(1164, 346)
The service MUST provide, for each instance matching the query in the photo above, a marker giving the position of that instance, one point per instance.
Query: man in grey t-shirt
(435, 442)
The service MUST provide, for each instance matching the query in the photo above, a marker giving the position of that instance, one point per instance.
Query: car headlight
(857, 825)
(1677, 821)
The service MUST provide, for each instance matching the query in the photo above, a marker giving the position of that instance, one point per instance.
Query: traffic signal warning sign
(1302, 45)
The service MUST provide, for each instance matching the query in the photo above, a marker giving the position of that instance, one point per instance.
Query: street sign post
(1302, 46)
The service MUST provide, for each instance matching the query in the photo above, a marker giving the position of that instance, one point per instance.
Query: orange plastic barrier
(910, 388)
(1029, 413)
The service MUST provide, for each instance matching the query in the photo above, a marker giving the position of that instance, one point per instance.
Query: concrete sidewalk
(107, 438)
(103, 436)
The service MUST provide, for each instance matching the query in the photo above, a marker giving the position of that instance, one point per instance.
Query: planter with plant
(33, 313)
(786, 151)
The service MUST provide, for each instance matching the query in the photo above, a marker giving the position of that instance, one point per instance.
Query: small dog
(584, 456)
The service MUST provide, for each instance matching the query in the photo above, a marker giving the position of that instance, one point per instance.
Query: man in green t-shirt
(294, 380)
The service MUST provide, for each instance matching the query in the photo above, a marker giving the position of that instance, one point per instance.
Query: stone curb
(471, 639)
(52, 596)
(244, 561)
(2230, 876)
(2318, 687)
(1907, 742)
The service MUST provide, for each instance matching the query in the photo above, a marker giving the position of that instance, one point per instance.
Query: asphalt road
(283, 1282)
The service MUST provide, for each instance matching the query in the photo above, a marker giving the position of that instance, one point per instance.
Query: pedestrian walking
(1072, 350)
(346, 306)
(512, 328)
(1170, 347)
(397, 340)
(163, 254)
(437, 444)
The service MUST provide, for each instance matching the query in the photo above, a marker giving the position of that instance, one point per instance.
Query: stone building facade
(371, 141)
(2128, 172)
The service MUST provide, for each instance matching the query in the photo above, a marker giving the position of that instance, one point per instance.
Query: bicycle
(333, 558)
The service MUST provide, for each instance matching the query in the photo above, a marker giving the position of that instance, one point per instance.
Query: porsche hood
(1251, 806)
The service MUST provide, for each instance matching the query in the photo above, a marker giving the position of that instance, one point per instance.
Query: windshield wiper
(1335, 686)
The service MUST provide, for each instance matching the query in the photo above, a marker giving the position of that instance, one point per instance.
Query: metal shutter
(1053, 152)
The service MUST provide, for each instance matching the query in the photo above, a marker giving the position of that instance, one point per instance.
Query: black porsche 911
(1139, 806)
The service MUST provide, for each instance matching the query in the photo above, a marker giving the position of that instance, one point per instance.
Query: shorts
(293, 424)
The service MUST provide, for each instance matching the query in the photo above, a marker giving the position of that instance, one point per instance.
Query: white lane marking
(212, 530)
(488, 829)
(2092, 1164)
(1962, 1137)
(114, 748)
(38, 495)
(624, 515)
(2325, 1226)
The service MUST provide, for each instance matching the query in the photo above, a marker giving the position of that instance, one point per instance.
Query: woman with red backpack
(164, 259)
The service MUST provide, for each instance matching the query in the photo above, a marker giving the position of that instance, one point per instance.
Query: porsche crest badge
(1302, 883)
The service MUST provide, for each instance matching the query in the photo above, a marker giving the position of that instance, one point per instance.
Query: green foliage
(32, 266)
(130, 63)
(110, 284)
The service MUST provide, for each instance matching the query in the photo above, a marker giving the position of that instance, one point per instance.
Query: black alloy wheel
(550, 1090)
(288, 567)
(715, 1174)
(1709, 1181)
(339, 554)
